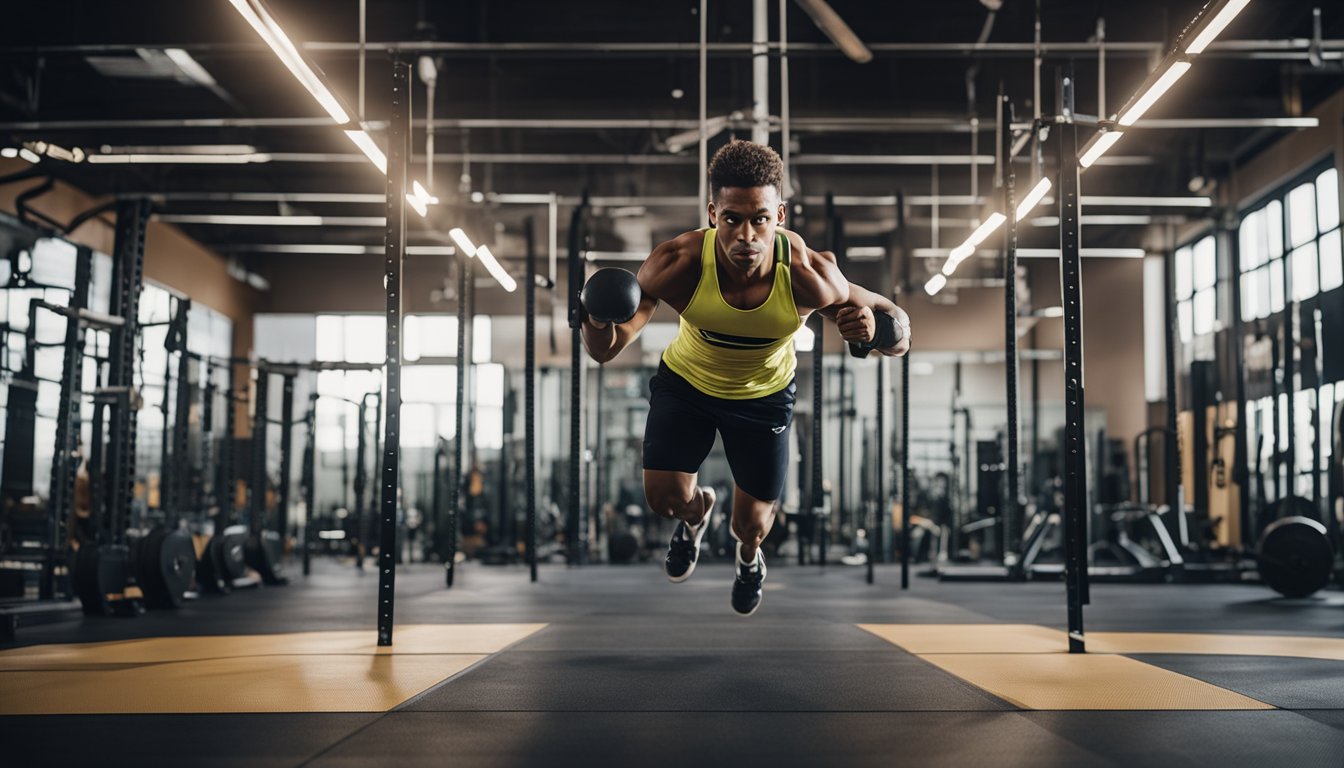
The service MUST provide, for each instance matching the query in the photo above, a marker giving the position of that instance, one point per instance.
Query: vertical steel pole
(905, 471)
(459, 405)
(286, 449)
(818, 500)
(1012, 503)
(398, 142)
(875, 537)
(530, 399)
(310, 482)
(1075, 437)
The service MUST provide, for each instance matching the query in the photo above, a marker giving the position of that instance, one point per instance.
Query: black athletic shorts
(682, 422)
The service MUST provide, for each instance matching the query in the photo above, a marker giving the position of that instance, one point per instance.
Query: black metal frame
(1075, 437)
(398, 144)
(1012, 501)
(576, 527)
(529, 398)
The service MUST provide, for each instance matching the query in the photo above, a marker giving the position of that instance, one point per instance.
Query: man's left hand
(856, 324)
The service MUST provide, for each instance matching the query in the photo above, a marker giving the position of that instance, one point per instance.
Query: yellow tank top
(736, 354)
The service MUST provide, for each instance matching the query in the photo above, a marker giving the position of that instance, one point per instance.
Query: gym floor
(614, 666)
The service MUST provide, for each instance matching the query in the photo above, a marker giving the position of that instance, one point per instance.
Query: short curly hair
(745, 164)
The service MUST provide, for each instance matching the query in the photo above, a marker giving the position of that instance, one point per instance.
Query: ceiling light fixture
(1097, 146)
(1033, 198)
(255, 13)
(463, 242)
(29, 155)
(935, 284)
(834, 27)
(370, 149)
(492, 266)
(1216, 26)
(189, 66)
(1160, 86)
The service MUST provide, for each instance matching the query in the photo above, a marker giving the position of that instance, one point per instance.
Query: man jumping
(743, 288)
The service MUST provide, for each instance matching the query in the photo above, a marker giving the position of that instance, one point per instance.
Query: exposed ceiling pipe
(1287, 49)
(949, 124)
(760, 72)
(835, 28)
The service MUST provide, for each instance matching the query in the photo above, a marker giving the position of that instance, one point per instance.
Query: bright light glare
(994, 221)
(370, 149)
(1033, 198)
(935, 284)
(463, 241)
(956, 256)
(493, 267)
(1154, 92)
(189, 66)
(1216, 26)
(1103, 142)
(289, 56)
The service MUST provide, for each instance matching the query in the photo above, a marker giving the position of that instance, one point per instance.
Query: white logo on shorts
(778, 430)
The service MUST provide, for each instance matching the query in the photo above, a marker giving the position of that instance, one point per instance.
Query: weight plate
(177, 564)
(1295, 556)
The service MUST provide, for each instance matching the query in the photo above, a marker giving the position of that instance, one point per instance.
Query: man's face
(745, 219)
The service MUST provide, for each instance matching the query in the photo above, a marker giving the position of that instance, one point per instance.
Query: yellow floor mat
(1030, 665)
(1086, 681)
(1326, 648)
(342, 671)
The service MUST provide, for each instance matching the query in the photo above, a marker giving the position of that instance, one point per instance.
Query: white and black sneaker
(747, 585)
(684, 549)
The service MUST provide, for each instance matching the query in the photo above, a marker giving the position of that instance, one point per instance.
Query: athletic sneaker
(747, 585)
(684, 549)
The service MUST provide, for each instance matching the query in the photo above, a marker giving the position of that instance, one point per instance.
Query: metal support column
(63, 463)
(818, 500)
(309, 482)
(1075, 437)
(905, 471)
(286, 448)
(530, 399)
(256, 497)
(1012, 502)
(575, 526)
(128, 278)
(398, 157)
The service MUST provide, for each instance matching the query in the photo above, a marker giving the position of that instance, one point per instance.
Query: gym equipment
(1295, 555)
(611, 295)
(165, 563)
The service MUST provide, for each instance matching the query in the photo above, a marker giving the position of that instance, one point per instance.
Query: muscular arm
(661, 276)
(854, 316)
(819, 285)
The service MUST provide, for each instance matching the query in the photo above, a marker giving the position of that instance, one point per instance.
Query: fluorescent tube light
(1098, 146)
(189, 66)
(29, 155)
(1102, 201)
(463, 242)
(188, 159)
(1216, 26)
(956, 256)
(418, 204)
(994, 221)
(279, 42)
(9, 152)
(370, 149)
(935, 284)
(179, 149)
(834, 27)
(1033, 198)
(492, 266)
(1154, 92)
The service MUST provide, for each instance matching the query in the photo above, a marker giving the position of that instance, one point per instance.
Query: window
(1290, 246)
(1197, 288)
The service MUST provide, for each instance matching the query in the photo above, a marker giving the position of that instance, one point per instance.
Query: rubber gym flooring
(610, 665)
